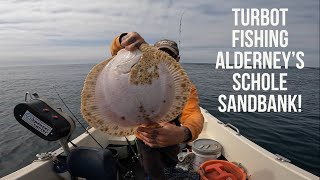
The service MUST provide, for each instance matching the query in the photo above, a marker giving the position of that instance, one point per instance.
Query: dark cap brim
(170, 48)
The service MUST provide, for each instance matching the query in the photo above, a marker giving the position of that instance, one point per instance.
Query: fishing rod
(76, 118)
(130, 146)
(118, 163)
(180, 26)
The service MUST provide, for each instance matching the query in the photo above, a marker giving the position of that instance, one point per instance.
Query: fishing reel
(45, 121)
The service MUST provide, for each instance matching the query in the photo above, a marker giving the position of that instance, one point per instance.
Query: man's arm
(130, 41)
(192, 124)
(116, 45)
(191, 116)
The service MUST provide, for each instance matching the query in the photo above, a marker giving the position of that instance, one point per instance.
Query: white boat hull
(259, 163)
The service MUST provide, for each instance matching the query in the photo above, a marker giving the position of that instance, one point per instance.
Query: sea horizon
(36, 63)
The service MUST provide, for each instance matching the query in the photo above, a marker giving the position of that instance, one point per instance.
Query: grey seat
(92, 163)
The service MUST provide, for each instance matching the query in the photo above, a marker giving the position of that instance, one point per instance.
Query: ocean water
(293, 135)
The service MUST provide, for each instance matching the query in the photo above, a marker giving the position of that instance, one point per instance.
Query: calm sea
(293, 135)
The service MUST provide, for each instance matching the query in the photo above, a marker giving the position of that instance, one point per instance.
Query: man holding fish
(159, 146)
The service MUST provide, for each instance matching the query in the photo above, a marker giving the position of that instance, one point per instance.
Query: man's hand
(168, 135)
(132, 41)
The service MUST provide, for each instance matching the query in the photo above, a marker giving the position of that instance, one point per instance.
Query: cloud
(83, 29)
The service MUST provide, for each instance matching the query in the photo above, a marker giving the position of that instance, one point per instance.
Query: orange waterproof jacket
(191, 116)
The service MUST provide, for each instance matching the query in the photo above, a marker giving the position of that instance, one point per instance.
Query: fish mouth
(130, 60)
(129, 70)
(133, 66)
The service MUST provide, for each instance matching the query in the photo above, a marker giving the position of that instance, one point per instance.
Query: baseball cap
(166, 44)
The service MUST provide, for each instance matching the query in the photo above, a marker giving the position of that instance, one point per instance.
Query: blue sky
(80, 31)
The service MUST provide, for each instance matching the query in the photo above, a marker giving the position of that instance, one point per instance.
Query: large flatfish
(133, 89)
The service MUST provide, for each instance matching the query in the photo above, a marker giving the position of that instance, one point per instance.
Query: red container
(221, 170)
